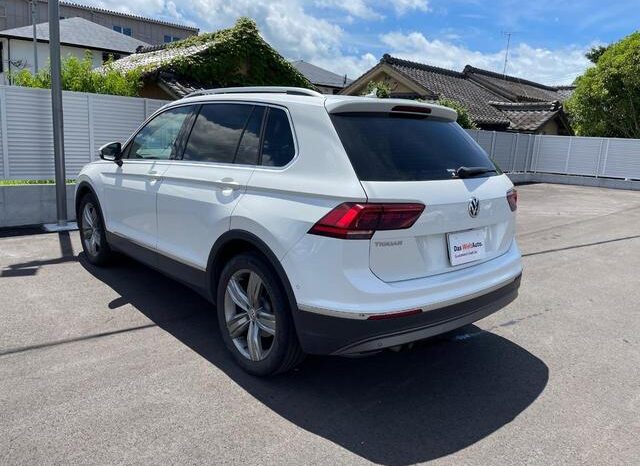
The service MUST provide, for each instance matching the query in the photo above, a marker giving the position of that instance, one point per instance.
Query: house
(494, 101)
(237, 56)
(77, 35)
(17, 13)
(325, 81)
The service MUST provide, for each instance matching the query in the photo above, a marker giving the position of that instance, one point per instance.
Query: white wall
(22, 50)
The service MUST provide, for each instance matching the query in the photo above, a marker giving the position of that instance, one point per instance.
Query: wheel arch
(83, 188)
(235, 242)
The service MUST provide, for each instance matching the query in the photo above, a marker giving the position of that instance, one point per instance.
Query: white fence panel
(29, 133)
(584, 156)
(90, 120)
(77, 147)
(552, 154)
(622, 159)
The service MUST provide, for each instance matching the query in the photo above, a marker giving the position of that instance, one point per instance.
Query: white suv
(316, 224)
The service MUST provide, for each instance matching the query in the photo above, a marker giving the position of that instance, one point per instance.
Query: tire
(251, 302)
(92, 231)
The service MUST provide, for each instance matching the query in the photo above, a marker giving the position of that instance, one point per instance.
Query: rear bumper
(324, 334)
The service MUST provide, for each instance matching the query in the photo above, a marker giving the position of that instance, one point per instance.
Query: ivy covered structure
(237, 56)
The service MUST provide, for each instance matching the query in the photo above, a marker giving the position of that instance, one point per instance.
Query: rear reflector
(512, 199)
(393, 315)
(352, 220)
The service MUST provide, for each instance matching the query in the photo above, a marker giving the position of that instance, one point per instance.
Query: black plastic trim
(322, 334)
(187, 274)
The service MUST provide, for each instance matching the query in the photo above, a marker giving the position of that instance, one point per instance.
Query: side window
(249, 147)
(277, 148)
(216, 132)
(157, 139)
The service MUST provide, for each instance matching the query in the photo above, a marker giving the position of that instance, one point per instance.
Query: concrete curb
(32, 204)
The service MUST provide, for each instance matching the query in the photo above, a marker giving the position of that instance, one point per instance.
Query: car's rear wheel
(92, 232)
(255, 317)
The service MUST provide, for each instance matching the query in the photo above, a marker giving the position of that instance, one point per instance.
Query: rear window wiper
(468, 172)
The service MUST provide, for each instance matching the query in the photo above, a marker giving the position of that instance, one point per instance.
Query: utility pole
(34, 21)
(56, 108)
(506, 53)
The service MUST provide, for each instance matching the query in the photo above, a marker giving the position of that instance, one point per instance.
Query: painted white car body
(179, 209)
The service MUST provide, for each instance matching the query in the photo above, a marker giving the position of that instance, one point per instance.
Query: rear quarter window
(394, 147)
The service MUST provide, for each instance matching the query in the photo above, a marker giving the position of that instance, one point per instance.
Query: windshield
(394, 147)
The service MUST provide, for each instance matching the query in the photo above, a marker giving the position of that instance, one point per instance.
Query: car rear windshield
(400, 147)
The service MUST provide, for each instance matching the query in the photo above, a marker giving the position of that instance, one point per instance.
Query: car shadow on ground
(391, 408)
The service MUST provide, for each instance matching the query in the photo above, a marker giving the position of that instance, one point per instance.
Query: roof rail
(256, 90)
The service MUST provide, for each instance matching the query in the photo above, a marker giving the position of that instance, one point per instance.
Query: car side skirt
(189, 275)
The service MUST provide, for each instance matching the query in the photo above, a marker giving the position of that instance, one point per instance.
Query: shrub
(79, 75)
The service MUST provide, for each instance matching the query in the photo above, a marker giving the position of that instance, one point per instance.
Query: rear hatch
(404, 155)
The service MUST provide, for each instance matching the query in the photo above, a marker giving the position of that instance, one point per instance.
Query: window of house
(168, 38)
(126, 31)
(216, 133)
(278, 147)
(117, 28)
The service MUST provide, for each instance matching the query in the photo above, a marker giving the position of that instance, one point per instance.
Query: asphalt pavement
(123, 365)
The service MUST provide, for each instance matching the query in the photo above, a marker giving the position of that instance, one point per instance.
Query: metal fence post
(92, 143)
(566, 164)
(514, 152)
(606, 155)
(493, 145)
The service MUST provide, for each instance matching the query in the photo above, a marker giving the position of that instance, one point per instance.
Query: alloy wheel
(249, 315)
(91, 229)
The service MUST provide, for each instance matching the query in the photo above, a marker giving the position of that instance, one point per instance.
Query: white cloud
(559, 66)
(355, 8)
(405, 6)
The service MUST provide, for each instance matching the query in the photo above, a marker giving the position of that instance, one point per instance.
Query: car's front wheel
(92, 232)
(255, 317)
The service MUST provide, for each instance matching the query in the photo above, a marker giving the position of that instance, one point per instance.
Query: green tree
(78, 75)
(606, 101)
(464, 118)
(596, 52)
(381, 89)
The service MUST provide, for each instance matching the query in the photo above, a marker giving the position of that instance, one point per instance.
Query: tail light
(512, 199)
(353, 220)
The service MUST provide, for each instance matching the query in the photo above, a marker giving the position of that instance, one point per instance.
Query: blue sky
(349, 36)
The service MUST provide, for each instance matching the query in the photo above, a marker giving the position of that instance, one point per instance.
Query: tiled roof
(153, 57)
(82, 33)
(177, 87)
(453, 85)
(527, 116)
(320, 76)
(513, 88)
(565, 92)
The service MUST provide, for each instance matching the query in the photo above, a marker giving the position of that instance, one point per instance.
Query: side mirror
(112, 152)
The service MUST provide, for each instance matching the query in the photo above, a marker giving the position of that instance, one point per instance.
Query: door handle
(228, 184)
(154, 175)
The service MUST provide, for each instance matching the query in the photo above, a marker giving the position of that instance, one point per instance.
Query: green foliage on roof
(464, 118)
(78, 75)
(606, 101)
(237, 56)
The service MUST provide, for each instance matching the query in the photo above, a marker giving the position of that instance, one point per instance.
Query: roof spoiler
(256, 90)
(404, 106)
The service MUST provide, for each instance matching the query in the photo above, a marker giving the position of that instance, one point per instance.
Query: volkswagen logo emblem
(474, 207)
